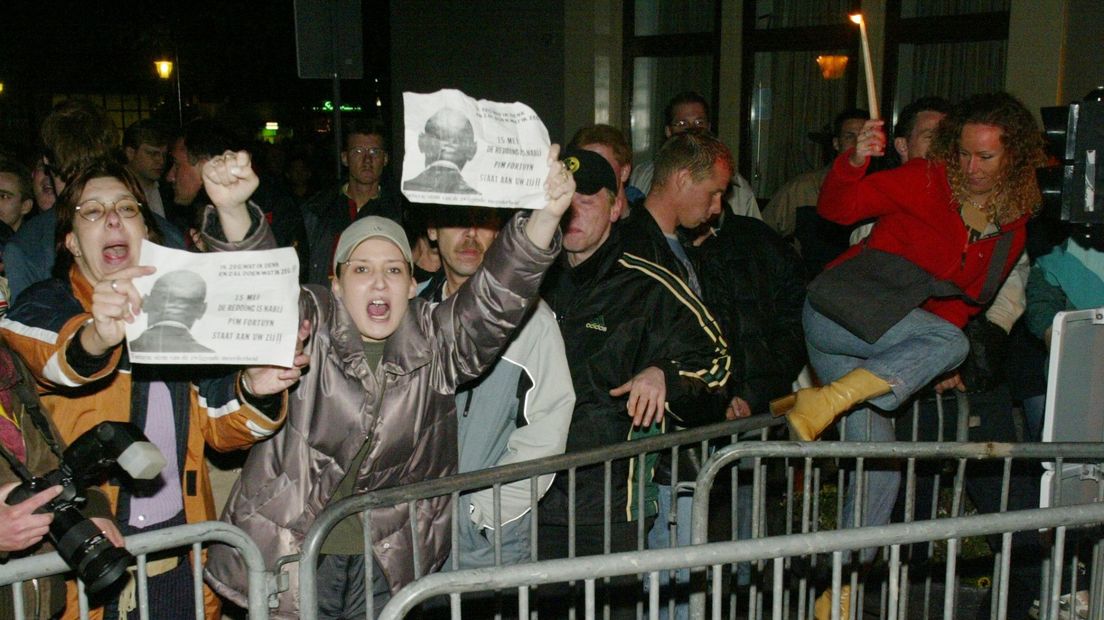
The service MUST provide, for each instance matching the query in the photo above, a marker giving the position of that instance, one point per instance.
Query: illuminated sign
(327, 106)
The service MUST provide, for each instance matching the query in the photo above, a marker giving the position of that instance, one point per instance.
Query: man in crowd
(43, 186)
(365, 193)
(16, 197)
(791, 212)
(202, 140)
(75, 134)
(16, 202)
(631, 329)
(145, 147)
(686, 111)
(448, 143)
(692, 172)
(912, 137)
(609, 142)
(520, 409)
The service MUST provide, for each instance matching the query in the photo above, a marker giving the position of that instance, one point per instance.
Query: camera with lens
(83, 546)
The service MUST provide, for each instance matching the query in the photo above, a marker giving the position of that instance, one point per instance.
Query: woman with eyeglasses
(71, 329)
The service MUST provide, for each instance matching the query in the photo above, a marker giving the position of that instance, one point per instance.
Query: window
(787, 103)
(946, 48)
(655, 81)
(932, 8)
(123, 109)
(771, 14)
(660, 17)
(671, 46)
(791, 105)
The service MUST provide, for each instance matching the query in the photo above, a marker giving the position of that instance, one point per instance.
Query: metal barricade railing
(803, 481)
(777, 548)
(195, 535)
(495, 478)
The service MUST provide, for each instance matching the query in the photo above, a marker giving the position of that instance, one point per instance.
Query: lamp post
(165, 72)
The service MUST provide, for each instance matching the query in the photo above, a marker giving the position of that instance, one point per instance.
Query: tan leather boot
(809, 411)
(822, 610)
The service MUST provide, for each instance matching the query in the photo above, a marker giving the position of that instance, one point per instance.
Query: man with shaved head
(177, 301)
(448, 143)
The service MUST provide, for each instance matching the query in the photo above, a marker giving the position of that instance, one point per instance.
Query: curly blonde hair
(1017, 192)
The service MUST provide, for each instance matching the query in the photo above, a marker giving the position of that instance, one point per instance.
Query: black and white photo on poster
(463, 151)
(216, 308)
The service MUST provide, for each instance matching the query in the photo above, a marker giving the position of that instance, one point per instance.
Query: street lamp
(165, 71)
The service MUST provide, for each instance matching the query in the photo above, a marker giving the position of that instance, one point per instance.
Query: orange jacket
(45, 325)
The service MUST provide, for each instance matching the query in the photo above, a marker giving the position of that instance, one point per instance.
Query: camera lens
(87, 550)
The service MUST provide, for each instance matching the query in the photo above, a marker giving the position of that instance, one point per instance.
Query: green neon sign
(328, 106)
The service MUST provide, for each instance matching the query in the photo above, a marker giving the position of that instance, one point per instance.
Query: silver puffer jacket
(339, 404)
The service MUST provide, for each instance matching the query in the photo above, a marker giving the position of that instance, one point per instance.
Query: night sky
(229, 50)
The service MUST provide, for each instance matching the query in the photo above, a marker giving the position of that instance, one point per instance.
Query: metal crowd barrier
(768, 557)
(754, 479)
(496, 477)
(15, 572)
(802, 463)
(776, 548)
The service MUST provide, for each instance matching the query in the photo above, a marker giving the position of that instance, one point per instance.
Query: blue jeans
(659, 537)
(919, 348)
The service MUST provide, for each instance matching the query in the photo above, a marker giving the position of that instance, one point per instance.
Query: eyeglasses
(696, 123)
(93, 210)
(373, 152)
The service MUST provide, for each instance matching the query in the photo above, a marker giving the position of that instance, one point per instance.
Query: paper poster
(216, 308)
(461, 151)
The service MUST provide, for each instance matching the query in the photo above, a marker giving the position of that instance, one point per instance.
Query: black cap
(592, 172)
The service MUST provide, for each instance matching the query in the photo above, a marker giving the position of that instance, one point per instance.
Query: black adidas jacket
(619, 314)
(754, 284)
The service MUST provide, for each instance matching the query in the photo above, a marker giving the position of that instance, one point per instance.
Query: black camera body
(97, 561)
(83, 546)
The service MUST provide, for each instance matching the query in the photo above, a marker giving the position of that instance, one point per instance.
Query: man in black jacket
(366, 191)
(747, 276)
(640, 345)
(203, 140)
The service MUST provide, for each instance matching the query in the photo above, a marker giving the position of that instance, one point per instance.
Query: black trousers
(341, 593)
(993, 412)
(621, 593)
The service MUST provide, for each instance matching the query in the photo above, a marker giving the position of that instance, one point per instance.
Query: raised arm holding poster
(216, 308)
(462, 151)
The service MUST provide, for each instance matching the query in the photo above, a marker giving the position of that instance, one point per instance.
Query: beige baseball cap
(366, 228)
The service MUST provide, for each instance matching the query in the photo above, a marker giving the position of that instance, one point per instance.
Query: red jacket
(917, 218)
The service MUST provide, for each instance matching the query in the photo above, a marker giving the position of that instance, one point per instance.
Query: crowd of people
(643, 298)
